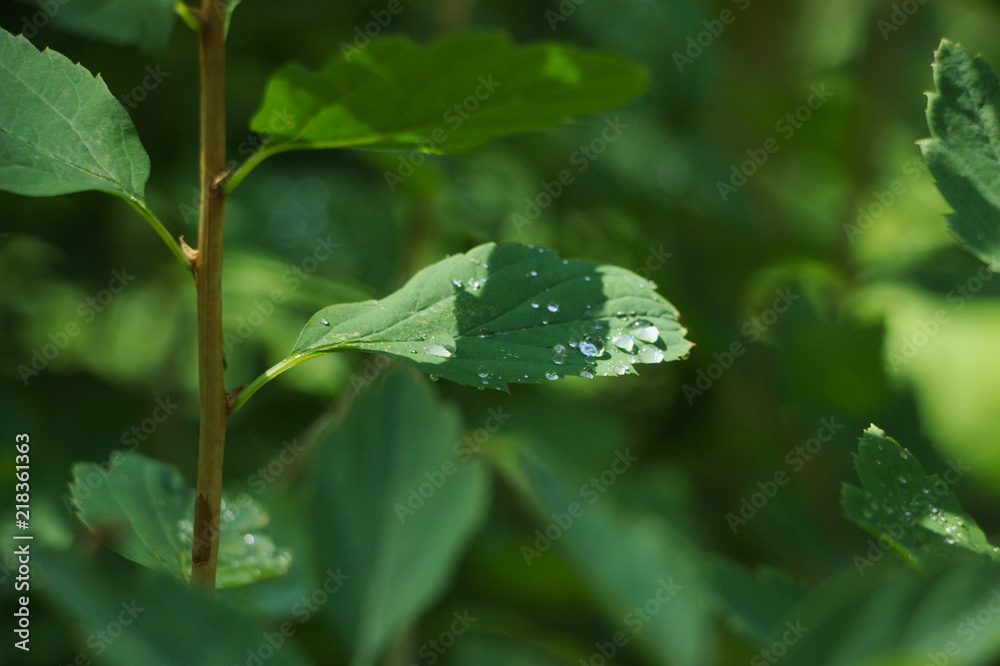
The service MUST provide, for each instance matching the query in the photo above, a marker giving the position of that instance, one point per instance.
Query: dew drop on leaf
(324, 321)
(650, 354)
(623, 341)
(591, 346)
(552, 307)
(551, 374)
(440, 344)
(642, 329)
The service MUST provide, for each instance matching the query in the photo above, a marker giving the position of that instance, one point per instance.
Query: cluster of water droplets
(242, 545)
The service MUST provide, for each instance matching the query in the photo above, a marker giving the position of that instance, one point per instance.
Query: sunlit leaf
(61, 130)
(964, 151)
(144, 509)
(508, 313)
(449, 97)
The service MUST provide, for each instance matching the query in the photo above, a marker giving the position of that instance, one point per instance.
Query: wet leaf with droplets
(492, 335)
(146, 509)
(897, 500)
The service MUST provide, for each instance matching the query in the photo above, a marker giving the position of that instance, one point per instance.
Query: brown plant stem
(213, 410)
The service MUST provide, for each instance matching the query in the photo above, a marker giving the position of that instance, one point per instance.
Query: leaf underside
(502, 314)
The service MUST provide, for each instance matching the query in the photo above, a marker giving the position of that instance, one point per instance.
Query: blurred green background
(842, 219)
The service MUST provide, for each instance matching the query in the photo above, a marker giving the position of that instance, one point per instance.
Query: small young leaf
(508, 313)
(897, 501)
(964, 151)
(146, 23)
(61, 129)
(394, 504)
(145, 509)
(448, 98)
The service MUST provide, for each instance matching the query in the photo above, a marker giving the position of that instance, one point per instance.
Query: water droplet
(902, 479)
(904, 455)
(552, 307)
(531, 274)
(440, 344)
(591, 346)
(485, 333)
(484, 372)
(950, 541)
(248, 539)
(474, 284)
(324, 321)
(559, 354)
(457, 283)
(434, 378)
(551, 374)
(586, 278)
(650, 354)
(641, 284)
(586, 374)
(534, 305)
(623, 341)
(642, 329)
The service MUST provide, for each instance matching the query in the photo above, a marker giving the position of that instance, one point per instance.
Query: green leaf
(754, 601)
(146, 23)
(394, 503)
(451, 97)
(61, 130)
(130, 618)
(145, 509)
(896, 616)
(508, 313)
(646, 574)
(964, 151)
(900, 503)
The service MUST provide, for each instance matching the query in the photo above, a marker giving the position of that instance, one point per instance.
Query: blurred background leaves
(842, 217)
